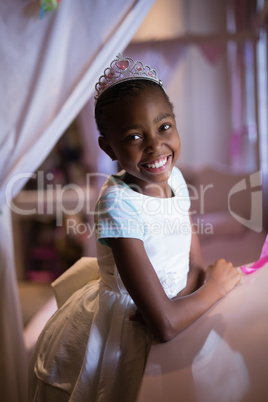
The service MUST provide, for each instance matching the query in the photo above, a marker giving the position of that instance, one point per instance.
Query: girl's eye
(165, 127)
(133, 137)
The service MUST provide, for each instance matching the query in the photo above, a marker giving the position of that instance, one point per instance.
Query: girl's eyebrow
(162, 117)
(128, 128)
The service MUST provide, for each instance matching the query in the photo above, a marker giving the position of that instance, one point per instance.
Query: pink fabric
(261, 261)
(212, 51)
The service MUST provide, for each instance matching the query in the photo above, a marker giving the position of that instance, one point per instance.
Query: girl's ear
(104, 145)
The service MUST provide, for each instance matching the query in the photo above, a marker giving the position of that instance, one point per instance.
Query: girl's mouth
(157, 165)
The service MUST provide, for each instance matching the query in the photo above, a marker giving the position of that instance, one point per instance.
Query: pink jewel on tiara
(124, 69)
(123, 64)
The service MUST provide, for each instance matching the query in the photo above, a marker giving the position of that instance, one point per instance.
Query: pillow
(77, 276)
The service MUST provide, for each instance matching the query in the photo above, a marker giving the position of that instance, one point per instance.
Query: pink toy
(261, 261)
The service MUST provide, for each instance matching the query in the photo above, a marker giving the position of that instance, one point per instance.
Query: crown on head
(124, 69)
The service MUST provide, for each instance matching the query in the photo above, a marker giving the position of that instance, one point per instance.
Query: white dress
(89, 350)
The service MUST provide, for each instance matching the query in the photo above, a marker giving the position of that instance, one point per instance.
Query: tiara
(124, 69)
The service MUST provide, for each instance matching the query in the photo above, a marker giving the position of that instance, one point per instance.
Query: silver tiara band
(124, 69)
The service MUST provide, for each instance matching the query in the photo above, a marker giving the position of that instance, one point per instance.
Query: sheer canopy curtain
(48, 70)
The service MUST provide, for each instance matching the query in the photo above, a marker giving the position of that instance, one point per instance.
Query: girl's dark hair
(119, 92)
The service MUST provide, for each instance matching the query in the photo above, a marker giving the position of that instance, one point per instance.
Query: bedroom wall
(200, 95)
(199, 86)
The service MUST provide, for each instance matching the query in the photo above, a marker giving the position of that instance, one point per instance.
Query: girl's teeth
(158, 164)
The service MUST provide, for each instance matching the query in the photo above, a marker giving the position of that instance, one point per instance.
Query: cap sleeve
(117, 217)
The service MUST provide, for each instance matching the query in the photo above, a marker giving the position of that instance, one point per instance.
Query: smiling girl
(152, 280)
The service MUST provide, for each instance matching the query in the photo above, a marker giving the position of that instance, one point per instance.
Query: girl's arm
(167, 317)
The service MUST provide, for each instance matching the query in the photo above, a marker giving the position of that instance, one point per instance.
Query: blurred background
(212, 58)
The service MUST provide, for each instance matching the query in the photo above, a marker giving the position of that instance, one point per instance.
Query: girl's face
(143, 137)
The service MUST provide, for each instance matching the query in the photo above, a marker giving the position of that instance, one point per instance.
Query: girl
(152, 281)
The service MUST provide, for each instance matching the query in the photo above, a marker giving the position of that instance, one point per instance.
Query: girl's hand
(224, 275)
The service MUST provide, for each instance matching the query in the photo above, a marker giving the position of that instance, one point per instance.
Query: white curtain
(13, 362)
(48, 71)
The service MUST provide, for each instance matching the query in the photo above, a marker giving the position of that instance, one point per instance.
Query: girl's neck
(157, 190)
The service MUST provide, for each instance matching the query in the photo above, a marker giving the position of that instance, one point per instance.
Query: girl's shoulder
(177, 175)
(116, 194)
(177, 182)
(113, 185)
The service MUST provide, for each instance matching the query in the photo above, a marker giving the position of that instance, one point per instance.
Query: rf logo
(255, 220)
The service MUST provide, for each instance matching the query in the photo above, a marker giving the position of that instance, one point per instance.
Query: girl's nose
(153, 143)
